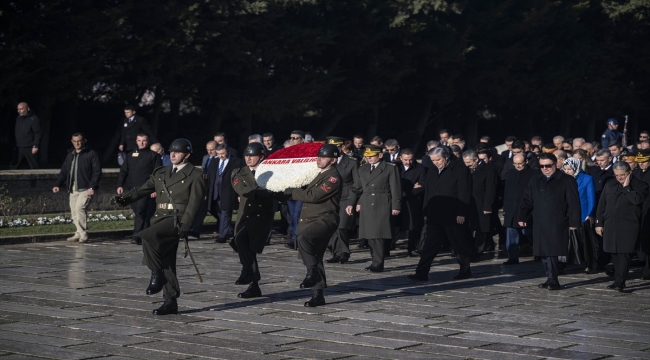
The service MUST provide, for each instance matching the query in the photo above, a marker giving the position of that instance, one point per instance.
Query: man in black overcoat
(642, 159)
(618, 219)
(132, 126)
(413, 176)
(484, 192)
(348, 168)
(447, 195)
(602, 174)
(553, 199)
(515, 185)
(222, 198)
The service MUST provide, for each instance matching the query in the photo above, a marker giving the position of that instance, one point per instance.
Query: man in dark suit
(222, 139)
(270, 146)
(392, 151)
(518, 147)
(413, 177)
(602, 174)
(205, 164)
(222, 198)
(134, 125)
(426, 160)
(357, 141)
(484, 193)
(136, 170)
(447, 195)
(507, 154)
(378, 197)
(552, 198)
(348, 168)
(28, 136)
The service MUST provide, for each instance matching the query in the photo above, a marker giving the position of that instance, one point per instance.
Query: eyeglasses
(295, 138)
(546, 166)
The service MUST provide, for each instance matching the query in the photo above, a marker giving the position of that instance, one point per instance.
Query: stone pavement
(80, 301)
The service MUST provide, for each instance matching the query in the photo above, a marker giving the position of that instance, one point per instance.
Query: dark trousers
(247, 257)
(379, 249)
(312, 243)
(603, 257)
(341, 242)
(200, 217)
(224, 217)
(143, 210)
(414, 240)
(437, 234)
(621, 268)
(551, 266)
(294, 207)
(25, 153)
(481, 241)
(162, 256)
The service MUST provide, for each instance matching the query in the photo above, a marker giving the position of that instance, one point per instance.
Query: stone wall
(35, 186)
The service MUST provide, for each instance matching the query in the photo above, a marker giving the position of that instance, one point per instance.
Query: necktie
(372, 167)
(174, 171)
(253, 171)
(221, 167)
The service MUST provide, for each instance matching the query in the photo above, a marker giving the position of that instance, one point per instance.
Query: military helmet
(254, 149)
(181, 145)
(329, 150)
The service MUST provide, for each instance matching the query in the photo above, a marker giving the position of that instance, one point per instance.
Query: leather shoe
(412, 254)
(463, 275)
(418, 277)
(344, 258)
(374, 268)
(220, 240)
(616, 287)
(316, 300)
(511, 262)
(610, 272)
(170, 306)
(136, 240)
(333, 260)
(362, 246)
(289, 246)
(245, 278)
(157, 282)
(544, 285)
(312, 278)
(554, 285)
(253, 291)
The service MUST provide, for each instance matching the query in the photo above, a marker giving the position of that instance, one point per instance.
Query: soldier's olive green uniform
(160, 240)
(348, 168)
(254, 218)
(378, 192)
(319, 219)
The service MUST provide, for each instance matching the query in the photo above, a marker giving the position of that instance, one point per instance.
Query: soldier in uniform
(254, 219)
(378, 197)
(611, 135)
(319, 219)
(348, 168)
(134, 172)
(180, 190)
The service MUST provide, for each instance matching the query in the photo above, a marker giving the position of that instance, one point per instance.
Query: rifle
(624, 140)
(177, 224)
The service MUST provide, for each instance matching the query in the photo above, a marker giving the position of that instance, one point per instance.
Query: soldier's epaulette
(354, 158)
(391, 164)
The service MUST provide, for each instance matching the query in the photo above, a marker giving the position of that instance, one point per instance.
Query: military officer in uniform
(378, 197)
(611, 135)
(348, 168)
(319, 219)
(254, 219)
(136, 169)
(180, 190)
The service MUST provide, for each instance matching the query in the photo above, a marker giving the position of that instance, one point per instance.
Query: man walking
(553, 199)
(180, 190)
(413, 177)
(80, 174)
(318, 220)
(132, 126)
(222, 198)
(516, 184)
(254, 219)
(484, 194)
(28, 136)
(135, 171)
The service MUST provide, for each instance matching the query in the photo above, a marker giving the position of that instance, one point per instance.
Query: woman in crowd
(585, 160)
(572, 166)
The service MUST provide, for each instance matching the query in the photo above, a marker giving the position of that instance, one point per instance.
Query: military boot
(157, 282)
(317, 299)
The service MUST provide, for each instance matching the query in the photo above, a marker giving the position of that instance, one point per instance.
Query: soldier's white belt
(170, 206)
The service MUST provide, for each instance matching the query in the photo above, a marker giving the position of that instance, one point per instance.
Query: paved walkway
(80, 301)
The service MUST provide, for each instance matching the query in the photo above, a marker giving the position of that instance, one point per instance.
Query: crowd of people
(570, 200)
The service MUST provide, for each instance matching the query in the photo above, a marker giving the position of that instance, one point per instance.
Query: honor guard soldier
(611, 135)
(379, 194)
(348, 168)
(254, 219)
(136, 169)
(180, 190)
(319, 219)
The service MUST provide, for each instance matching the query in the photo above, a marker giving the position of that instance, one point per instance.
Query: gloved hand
(288, 191)
(184, 230)
(118, 200)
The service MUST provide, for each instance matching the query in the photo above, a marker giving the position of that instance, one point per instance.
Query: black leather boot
(170, 306)
(246, 277)
(157, 282)
(253, 291)
(317, 299)
(311, 279)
